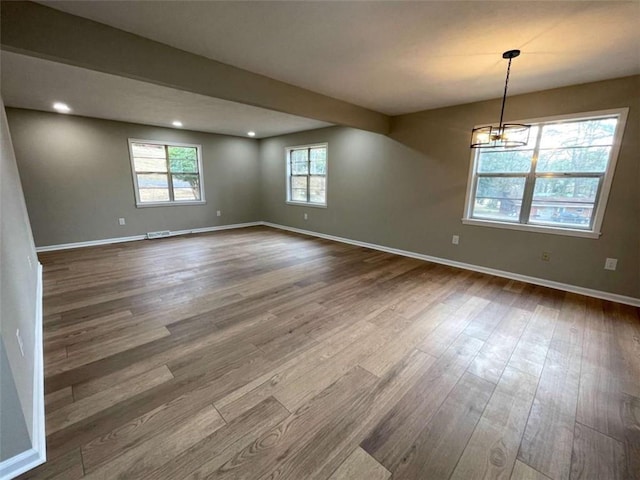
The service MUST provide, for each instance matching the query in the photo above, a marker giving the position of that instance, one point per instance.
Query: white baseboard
(226, 227)
(90, 243)
(107, 241)
(23, 462)
(36, 455)
(468, 266)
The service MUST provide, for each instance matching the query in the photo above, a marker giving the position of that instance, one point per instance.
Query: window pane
(186, 187)
(505, 161)
(183, 153)
(564, 215)
(319, 161)
(301, 155)
(299, 182)
(153, 187)
(565, 202)
(153, 195)
(186, 194)
(317, 189)
(149, 157)
(581, 159)
(499, 198)
(299, 162)
(566, 189)
(299, 194)
(318, 154)
(299, 168)
(150, 164)
(153, 180)
(183, 165)
(183, 159)
(147, 150)
(299, 189)
(319, 167)
(582, 133)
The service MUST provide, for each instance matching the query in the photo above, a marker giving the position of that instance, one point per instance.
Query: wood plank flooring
(259, 354)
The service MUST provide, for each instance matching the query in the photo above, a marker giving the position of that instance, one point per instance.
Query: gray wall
(408, 191)
(14, 436)
(18, 281)
(77, 179)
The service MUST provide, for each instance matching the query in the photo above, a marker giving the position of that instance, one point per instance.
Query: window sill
(169, 204)
(305, 204)
(570, 232)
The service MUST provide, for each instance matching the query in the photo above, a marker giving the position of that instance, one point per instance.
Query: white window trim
(601, 205)
(288, 200)
(174, 203)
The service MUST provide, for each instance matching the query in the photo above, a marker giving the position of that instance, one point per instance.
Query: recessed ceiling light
(61, 107)
(177, 123)
(251, 134)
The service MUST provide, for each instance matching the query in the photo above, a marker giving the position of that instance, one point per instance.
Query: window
(307, 175)
(166, 173)
(557, 183)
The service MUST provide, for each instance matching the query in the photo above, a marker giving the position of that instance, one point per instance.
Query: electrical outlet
(611, 264)
(219, 213)
(455, 239)
(306, 217)
(20, 343)
(29, 261)
(122, 221)
(546, 256)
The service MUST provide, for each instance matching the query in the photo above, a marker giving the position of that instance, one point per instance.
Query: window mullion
(529, 185)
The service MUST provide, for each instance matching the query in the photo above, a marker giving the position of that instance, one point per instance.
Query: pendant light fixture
(505, 134)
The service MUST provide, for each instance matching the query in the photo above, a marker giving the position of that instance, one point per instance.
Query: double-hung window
(166, 173)
(307, 175)
(557, 183)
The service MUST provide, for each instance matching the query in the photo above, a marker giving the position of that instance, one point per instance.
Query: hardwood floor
(259, 354)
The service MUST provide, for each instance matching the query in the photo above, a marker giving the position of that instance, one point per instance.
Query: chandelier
(505, 134)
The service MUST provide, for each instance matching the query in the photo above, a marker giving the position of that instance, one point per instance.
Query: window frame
(602, 195)
(171, 202)
(308, 203)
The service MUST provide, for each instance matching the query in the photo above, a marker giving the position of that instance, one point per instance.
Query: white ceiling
(395, 57)
(33, 83)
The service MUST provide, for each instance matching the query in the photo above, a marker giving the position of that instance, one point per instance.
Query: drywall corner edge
(36, 455)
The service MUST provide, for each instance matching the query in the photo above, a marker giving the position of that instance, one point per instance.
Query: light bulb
(61, 107)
